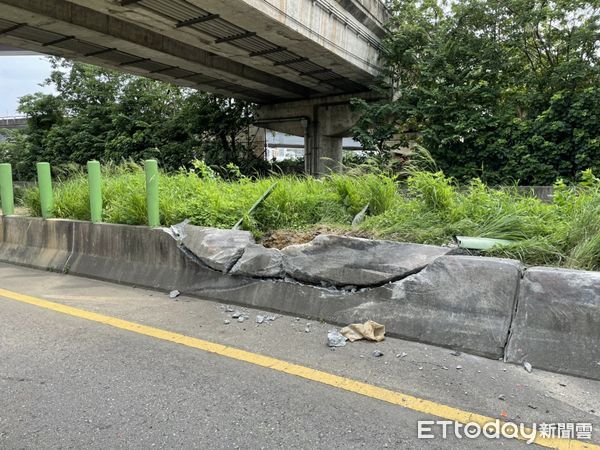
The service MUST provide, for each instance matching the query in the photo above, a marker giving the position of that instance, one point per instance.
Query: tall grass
(427, 207)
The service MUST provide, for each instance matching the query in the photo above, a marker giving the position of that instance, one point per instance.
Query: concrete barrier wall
(461, 302)
(140, 256)
(557, 323)
(44, 244)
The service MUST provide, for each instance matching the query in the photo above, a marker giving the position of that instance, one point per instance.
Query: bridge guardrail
(13, 121)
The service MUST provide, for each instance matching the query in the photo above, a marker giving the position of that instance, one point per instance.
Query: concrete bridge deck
(303, 56)
(13, 122)
(261, 50)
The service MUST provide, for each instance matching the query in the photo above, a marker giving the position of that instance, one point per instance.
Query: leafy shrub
(429, 208)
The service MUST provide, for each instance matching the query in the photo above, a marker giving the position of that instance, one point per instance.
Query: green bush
(428, 208)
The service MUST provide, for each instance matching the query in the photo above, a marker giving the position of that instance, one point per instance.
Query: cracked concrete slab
(218, 249)
(557, 323)
(259, 262)
(349, 261)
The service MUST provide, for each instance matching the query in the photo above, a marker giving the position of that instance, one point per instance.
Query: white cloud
(21, 75)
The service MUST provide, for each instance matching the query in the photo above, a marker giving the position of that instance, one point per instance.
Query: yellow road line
(346, 384)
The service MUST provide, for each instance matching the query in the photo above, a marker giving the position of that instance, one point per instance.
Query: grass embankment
(426, 208)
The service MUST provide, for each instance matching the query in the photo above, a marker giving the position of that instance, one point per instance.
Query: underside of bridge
(301, 61)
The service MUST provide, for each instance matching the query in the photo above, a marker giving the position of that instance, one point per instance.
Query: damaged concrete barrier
(461, 302)
(139, 256)
(258, 261)
(557, 323)
(218, 249)
(418, 292)
(35, 242)
(342, 261)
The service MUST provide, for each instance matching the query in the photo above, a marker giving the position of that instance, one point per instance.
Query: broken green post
(93, 168)
(479, 243)
(151, 170)
(256, 205)
(45, 185)
(6, 190)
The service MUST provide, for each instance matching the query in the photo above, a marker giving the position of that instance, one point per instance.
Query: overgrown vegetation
(423, 207)
(504, 90)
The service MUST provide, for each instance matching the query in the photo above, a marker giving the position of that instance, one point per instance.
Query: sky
(21, 75)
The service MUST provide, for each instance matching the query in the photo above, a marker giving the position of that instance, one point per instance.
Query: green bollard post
(6, 190)
(45, 185)
(93, 168)
(151, 170)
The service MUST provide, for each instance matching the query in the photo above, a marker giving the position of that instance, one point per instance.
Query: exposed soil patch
(283, 238)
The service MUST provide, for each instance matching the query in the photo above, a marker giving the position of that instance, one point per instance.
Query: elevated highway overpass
(13, 122)
(300, 60)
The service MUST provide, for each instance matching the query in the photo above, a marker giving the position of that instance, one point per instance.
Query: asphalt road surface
(89, 364)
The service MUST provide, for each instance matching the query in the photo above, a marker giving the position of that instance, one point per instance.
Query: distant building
(280, 146)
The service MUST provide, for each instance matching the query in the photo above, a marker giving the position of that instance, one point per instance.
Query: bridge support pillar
(322, 153)
(323, 122)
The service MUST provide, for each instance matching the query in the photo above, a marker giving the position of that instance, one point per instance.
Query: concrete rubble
(336, 339)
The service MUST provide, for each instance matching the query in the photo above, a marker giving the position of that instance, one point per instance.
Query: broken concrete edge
(350, 261)
(217, 248)
(365, 263)
(440, 305)
(141, 256)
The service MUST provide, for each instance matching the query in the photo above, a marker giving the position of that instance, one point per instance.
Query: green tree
(500, 89)
(220, 126)
(109, 116)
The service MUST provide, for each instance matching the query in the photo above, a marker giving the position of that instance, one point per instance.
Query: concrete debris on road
(377, 353)
(260, 319)
(307, 329)
(455, 353)
(241, 316)
(174, 294)
(336, 339)
(369, 330)
(527, 367)
(402, 355)
(227, 321)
